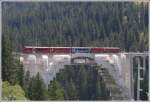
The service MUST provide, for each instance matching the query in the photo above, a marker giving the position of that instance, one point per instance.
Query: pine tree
(56, 91)
(21, 75)
(37, 88)
(72, 91)
(51, 90)
(27, 83)
(83, 83)
(59, 91)
(9, 71)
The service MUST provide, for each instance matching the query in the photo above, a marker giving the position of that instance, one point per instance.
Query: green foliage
(36, 88)
(12, 92)
(20, 74)
(119, 24)
(56, 92)
(72, 91)
(8, 69)
(12, 70)
(26, 83)
(83, 75)
(78, 83)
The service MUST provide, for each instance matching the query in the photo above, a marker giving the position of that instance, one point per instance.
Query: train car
(42, 50)
(97, 50)
(30, 49)
(61, 50)
(105, 50)
(112, 50)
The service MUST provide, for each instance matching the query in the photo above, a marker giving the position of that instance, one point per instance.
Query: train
(34, 49)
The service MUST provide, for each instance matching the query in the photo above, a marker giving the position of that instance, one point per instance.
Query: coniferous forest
(99, 24)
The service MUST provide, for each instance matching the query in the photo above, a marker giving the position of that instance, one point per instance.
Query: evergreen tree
(83, 84)
(9, 70)
(72, 91)
(21, 75)
(51, 90)
(27, 83)
(97, 24)
(56, 91)
(37, 88)
(59, 92)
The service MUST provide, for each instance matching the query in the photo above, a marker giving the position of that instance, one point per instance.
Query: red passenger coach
(105, 50)
(114, 50)
(61, 50)
(97, 50)
(42, 50)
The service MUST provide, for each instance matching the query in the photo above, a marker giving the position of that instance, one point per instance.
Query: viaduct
(116, 66)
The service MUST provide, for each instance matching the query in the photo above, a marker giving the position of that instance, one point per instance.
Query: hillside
(118, 24)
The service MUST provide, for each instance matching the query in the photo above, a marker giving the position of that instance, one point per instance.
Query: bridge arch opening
(45, 60)
(82, 60)
(32, 58)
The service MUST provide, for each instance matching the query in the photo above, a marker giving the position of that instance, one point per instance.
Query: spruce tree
(55, 91)
(72, 91)
(9, 70)
(37, 88)
(21, 74)
(27, 83)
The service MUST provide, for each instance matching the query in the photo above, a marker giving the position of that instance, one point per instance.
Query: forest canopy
(117, 24)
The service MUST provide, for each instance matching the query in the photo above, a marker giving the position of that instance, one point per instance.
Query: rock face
(48, 65)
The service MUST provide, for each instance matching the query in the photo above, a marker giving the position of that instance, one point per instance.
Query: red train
(31, 49)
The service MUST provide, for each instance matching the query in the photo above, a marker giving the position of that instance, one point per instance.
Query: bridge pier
(144, 65)
(131, 76)
(138, 79)
(141, 69)
(141, 74)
